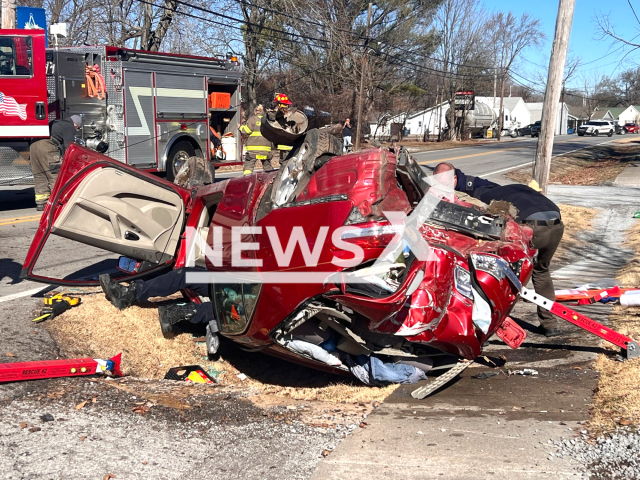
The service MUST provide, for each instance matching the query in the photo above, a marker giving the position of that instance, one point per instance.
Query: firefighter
(138, 291)
(282, 109)
(257, 147)
(46, 156)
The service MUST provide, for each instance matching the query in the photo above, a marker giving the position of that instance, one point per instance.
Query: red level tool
(13, 372)
(629, 345)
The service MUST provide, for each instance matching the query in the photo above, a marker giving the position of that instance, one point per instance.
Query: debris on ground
(189, 374)
(524, 371)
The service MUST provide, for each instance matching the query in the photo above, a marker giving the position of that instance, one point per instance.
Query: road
(494, 426)
(493, 159)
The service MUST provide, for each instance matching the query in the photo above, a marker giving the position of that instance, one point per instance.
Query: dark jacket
(63, 133)
(346, 131)
(524, 198)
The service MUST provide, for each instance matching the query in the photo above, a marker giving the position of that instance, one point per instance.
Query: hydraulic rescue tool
(55, 305)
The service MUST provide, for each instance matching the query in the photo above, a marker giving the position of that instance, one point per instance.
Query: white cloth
(347, 141)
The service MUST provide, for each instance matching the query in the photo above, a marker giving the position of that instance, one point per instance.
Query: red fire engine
(150, 110)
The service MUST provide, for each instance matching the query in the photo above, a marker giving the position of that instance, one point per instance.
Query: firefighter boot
(173, 314)
(213, 341)
(121, 296)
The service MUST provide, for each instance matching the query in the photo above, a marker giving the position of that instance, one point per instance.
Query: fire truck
(146, 109)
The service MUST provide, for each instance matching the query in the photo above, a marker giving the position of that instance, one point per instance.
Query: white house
(414, 123)
(631, 114)
(561, 121)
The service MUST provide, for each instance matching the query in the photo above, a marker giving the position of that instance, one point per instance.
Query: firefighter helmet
(282, 99)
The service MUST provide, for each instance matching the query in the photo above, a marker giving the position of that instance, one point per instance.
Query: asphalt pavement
(493, 159)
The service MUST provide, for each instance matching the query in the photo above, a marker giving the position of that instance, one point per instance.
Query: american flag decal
(9, 107)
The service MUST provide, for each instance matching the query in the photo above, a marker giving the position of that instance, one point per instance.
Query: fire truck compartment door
(140, 118)
(179, 96)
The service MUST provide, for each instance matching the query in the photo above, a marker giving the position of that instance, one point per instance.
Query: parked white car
(597, 127)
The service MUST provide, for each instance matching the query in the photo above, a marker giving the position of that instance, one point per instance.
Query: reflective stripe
(247, 172)
(42, 196)
(262, 157)
(257, 148)
(245, 129)
(256, 134)
(285, 147)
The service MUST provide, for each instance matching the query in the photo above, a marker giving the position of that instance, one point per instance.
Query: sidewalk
(630, 176)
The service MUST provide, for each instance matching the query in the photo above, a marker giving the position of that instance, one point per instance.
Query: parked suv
(596, 127)
(535, 129)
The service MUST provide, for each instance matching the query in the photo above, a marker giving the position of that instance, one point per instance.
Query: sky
(584, 39)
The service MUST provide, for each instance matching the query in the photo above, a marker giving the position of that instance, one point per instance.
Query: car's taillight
(371, 234)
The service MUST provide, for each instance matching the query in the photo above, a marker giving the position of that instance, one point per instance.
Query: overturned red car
(321, 255)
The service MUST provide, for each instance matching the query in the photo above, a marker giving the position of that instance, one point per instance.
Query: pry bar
(628, 345)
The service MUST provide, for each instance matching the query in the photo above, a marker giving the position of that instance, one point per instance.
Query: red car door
(104, 203)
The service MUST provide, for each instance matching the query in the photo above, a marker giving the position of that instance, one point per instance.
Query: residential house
(630, 114)
(415, 124)
(601, 114)
(577, 116)
(561, 120)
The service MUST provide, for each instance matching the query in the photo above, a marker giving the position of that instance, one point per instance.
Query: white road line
(26, 293)
(504, 169)
(553, 156)
(588, 146)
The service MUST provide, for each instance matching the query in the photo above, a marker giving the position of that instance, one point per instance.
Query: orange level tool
(14, 372)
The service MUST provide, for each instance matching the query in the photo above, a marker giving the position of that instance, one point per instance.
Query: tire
(581, 134)
(610, 134)
(514, 134)
(310, 152)
(178, 154)
(595, 133)
(623, 131)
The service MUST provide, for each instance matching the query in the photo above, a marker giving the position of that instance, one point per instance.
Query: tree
(464, 54)
(511, 36)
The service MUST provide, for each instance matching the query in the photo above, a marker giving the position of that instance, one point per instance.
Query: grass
(617, 398)
(97, 329)
(576, 221)
(599, 165)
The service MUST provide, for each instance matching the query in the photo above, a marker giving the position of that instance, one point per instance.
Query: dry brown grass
(576, 221)
(617, 397)
(593, 166)
(97, 329)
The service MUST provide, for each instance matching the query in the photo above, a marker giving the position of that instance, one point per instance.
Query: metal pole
(552, 93)
(364, 66)
(8, 13)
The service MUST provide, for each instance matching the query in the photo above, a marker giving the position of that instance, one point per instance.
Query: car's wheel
(514, 134)
(310, 152)
(581, 134)
(610, 134)
(595, 133)
(178, 155)
(623, 131)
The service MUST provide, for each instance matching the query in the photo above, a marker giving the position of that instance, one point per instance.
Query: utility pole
(364, 67)
(552, 93)
(8, 13)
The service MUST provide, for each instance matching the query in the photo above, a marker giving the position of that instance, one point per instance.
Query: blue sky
(584, 38)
